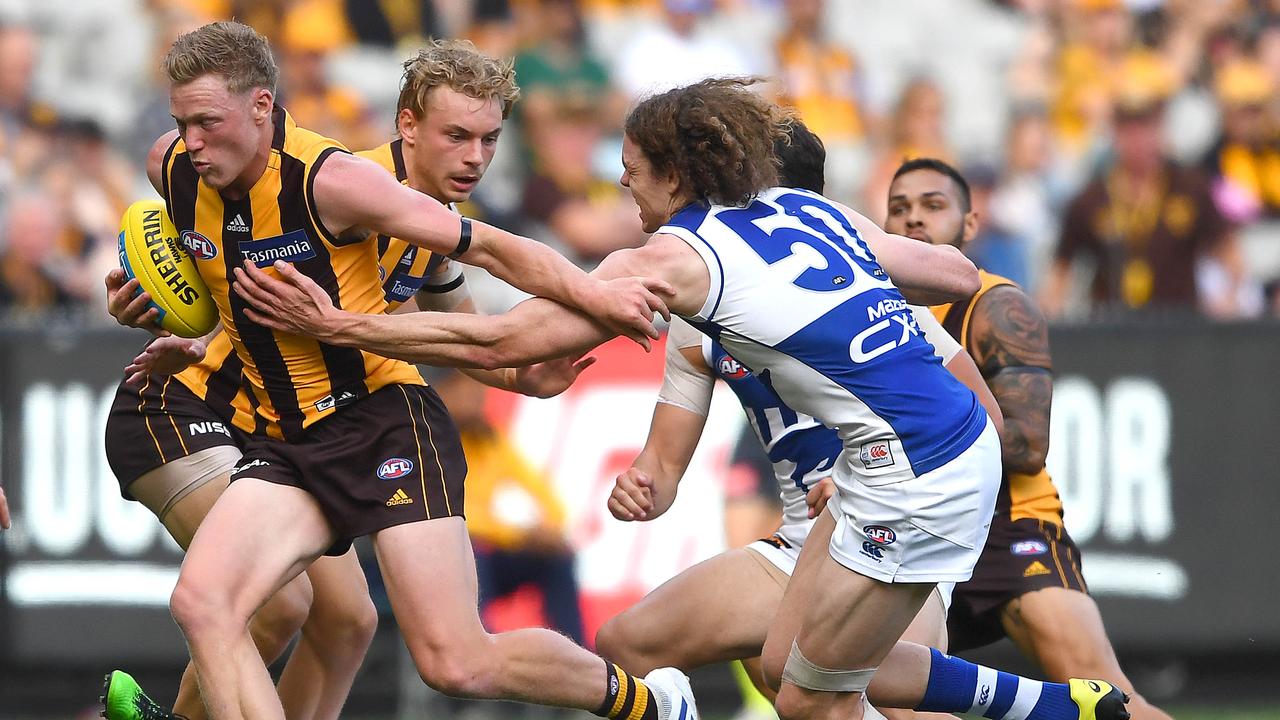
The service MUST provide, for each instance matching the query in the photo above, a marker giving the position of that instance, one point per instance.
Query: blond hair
(229, 49)
(459, 66)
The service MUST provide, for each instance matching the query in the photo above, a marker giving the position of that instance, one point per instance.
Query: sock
(626, 696)
(959, 686)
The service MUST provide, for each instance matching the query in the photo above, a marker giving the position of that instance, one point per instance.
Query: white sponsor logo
(876, 454)
(237, 224)
(204, 428)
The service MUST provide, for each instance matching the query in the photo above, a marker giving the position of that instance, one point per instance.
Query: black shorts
(1020, 556)
(158, 422)
(390, 458)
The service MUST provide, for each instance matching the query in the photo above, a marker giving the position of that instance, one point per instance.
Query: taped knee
(804, 674)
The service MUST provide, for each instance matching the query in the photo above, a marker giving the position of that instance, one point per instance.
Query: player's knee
(771, 667)
(354, 625)
(275, 624)
(793, 703)
(457, 673)
(200, 609)
(622, 642)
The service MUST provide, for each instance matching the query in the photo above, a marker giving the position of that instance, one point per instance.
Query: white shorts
(783, 550)
(929, 528)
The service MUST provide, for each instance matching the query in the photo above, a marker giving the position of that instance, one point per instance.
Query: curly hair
(459, 66)
(717, 135)
(227, 48)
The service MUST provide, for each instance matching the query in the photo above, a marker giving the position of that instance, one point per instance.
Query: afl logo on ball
(880, 534)
(395, 468)
(198, 245)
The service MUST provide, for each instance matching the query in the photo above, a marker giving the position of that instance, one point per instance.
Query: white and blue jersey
(797, 297)
(802, 450)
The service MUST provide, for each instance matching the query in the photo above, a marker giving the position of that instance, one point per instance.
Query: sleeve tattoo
(1009, 341)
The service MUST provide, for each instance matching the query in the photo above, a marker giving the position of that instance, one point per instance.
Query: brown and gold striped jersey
(404, 269)
(293, 381)
(1021, 496)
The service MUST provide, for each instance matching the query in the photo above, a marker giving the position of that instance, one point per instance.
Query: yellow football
(150, 250)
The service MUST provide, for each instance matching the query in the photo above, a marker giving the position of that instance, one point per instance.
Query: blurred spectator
(1145, 224)
(315, 102)
(516, 522)
(821, 80)
(36, 275)
(586, 212)
(995, 248)
(917, 129)
(1245, 161)
(677, 52)
(1027, 195)
(560, 70)
(388, 24)
(18, 47)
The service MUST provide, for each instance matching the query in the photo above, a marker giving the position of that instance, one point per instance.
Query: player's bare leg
(434, 599)
(851, 625)
(1063, 631)
(272, 627)
(239, 558)
(337, 632)
(929, 628)
(717, 610)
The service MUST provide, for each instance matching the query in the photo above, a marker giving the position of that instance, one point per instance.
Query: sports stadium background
(1164, 422)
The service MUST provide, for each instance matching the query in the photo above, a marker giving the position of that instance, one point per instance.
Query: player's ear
(972, 222)
(407, 125)
(263, 103)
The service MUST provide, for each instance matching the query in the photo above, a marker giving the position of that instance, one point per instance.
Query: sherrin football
(150, 251)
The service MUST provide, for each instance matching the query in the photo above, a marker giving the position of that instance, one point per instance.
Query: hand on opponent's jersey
(127, 303)
(819, 495)
(550, 378)
(294, 303)
(632, 496)
(165, 356)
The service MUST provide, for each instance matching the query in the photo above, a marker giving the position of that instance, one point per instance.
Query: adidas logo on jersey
(399, 498)
(1034, 569)
(237, 224)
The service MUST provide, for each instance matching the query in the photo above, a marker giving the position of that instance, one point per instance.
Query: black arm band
(464, 240)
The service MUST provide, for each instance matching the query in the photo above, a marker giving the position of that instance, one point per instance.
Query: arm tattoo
(1009, 340)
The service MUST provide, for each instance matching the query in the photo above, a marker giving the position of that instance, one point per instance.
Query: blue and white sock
(959, 686)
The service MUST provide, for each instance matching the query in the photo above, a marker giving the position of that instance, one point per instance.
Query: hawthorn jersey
(293, 381)
(1021, 496)
(404, 269)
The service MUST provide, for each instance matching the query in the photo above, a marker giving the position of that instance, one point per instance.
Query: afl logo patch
(395, 468)
(200, 247)
(1029, 547)
(731, 369)
(880, 534)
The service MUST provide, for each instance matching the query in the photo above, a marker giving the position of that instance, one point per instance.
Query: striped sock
(959, 686)
(626, 696)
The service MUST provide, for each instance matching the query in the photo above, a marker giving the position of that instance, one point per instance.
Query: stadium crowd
(1124, 154)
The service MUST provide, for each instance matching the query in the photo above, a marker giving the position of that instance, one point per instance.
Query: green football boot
(123, 699)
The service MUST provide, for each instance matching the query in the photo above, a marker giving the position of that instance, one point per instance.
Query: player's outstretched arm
(647, 489)
(926, 274)
(535, 330)
(446, 291)
(353, 192)
(959, 362)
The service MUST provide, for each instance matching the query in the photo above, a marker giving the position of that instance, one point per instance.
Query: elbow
(968, 282)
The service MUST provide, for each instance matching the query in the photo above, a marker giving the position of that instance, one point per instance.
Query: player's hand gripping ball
(152, 251)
